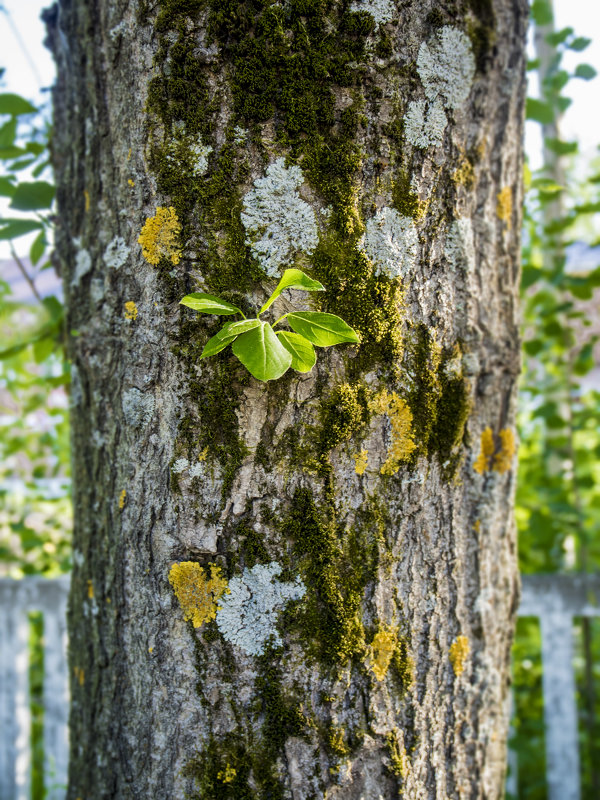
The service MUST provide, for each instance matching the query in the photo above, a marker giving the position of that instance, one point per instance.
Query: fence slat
(56, 700)
(8, 728)
(560, 709)
(22, 705)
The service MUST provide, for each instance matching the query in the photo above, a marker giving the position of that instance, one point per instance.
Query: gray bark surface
(156, 704)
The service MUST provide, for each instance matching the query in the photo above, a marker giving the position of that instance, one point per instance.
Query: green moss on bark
(337, 565)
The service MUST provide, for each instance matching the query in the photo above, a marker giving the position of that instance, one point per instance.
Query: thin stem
(24, 272)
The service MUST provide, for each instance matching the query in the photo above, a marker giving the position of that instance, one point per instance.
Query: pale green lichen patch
(425, 123)
(460, 247)
(247, 616)
(392, 244)
(446, 66)
(279, 224)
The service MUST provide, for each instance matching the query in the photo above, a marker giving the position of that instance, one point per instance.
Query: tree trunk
(303, 588)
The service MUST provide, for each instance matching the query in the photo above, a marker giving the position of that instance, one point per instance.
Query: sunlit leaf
(15, 105)
(302, 351)
(33, 196)
(208, 304)
(293, 279)
(321, 329)
(261, 352)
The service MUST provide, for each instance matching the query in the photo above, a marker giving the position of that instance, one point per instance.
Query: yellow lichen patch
(477, 526)
(130, 182)
(227, 775)
(487, 451)
(508, 447)
(160, 237)
(459, 652)
(361, 460)
(122, 497)
(129, 154)
(203, 454)
(131, 311)
(464, 174)
(400, 416)
(90, 591)
(381, 651)
(196, 593)
(79, 675)
(504, 205)
(86, 197)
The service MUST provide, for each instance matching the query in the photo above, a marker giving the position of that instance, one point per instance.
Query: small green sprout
(267, 354)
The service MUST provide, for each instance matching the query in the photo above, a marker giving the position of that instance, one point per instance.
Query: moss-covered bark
(354, 497)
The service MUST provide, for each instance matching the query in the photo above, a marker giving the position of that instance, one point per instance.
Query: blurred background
(558, 495)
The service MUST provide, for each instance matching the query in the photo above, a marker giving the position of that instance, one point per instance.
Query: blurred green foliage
(558, 489)
(35, 513)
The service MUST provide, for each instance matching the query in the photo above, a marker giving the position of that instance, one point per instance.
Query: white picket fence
(555, 599)
(17, 599)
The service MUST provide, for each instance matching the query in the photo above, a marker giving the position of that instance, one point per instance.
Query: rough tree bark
(359, 514)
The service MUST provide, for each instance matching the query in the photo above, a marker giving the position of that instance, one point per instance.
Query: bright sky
(30, 69)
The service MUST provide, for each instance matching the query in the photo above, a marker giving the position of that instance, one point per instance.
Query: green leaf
(54, 307)
(261, 352)
(6, 153)
(533, 346)
(8, 131)
(9, 352)
(302, 352)
(33, 196)
(21, 164)
(215, 344)
(560, 147)
(541, 11)
(293, 279)
(321, 329)
(7, 188)
(558, 37)
(579, 43)
(585, 71)
(539, 111)
(14, 105)
(208, 304)
(13, 228)
(42, 348)
(236, 328)
(529, 276)
(562, 103)
(36, 147)
(36, 251)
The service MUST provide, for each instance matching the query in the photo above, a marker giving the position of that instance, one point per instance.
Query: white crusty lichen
(447, 67)
(425, 123)
(382, 11)
(248, 614)
(116, 253)
(391, 243)
(278, 222)
(240, 134)
(83, 264)
(180, 465)
(200, 152)
(138, 407)
(460, 246)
